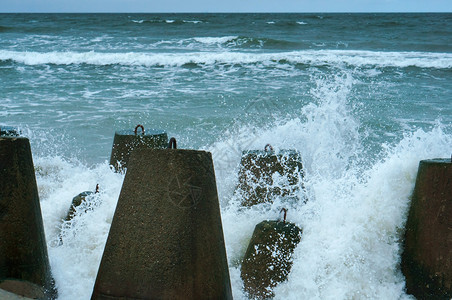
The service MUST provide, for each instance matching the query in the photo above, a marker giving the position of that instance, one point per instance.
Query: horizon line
(225, 12)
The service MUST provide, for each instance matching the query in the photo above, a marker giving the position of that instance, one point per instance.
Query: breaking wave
(308, 57)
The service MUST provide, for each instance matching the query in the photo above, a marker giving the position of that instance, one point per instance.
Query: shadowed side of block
(166, 239)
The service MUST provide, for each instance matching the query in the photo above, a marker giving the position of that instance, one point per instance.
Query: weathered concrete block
(23, 249)
(427, 256)
(126, 141)
(77, 201)
(166, 238)
(257, 168)
(19, 289)
(268, 258)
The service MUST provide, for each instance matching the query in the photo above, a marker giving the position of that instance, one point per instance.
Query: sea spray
(354, 219)
(352, 222)
(76, 247)
(351, 249)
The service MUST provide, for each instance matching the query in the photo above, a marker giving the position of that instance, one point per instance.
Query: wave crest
(307, 57)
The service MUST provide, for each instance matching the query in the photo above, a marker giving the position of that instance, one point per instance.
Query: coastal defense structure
(77, 201)
(127, 141)
(268, 258)
(427, 256)
(166, 238)
(24, 264)
(256, 175)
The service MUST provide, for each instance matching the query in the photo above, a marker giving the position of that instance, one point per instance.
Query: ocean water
(362, 97)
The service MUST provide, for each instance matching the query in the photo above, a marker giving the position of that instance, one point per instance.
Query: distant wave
(225, 42)
(242, 42)
(5, 28)
(251, 42)
(308, 57)
(214, 40)
(285, 23)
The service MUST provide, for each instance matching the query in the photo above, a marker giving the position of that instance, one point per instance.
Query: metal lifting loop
(268, 147)
(172, 143)
(139, 126)
(285, 214)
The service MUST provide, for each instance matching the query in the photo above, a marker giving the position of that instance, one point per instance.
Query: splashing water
(352, 223)
(354, 220)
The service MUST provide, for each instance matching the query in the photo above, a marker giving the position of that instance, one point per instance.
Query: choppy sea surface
(362, 97)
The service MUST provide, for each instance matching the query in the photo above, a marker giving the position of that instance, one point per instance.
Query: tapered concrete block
(166, 238)
(268, 258)
(126, 141)
(23, 249)
(427, 256)
(18, 289)
(256, 176)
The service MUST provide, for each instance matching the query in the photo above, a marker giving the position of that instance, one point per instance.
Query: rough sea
(362, 97)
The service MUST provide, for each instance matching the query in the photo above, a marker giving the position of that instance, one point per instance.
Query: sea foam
(352, 222)
(314, 58)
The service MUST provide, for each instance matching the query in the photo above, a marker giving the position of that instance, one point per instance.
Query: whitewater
(315, 58)
(352, 224)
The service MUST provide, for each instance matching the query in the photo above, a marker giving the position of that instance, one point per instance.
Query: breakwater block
(427, 256)
(166, 238)
(23, 249)
(126, 141)
(257, 171)
(18, 289)
(268, 258)
(77, 201)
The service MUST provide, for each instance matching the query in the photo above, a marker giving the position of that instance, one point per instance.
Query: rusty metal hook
(268, 147)
(139, 126)
(172, 143)
(285, 214)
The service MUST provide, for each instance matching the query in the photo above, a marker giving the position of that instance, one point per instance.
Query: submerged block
(427, 256)
(23, 249)
(77, 201)
(166, 238)
(257, 171)
(126, 141)
(268, 258)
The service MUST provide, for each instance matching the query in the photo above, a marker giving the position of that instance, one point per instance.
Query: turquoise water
(363, 97)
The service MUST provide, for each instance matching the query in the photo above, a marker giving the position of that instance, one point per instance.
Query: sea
(362, 97)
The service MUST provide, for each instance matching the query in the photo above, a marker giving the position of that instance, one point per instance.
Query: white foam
(214, 40)
(355, 215)
(311, 57)
(193, 21)
(352, 223)
(75, 262)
